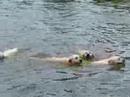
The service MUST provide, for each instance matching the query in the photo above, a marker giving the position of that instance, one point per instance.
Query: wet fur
(86, 55)
(63, 60)
(114, 60)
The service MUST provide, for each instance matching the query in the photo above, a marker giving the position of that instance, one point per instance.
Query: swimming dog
(8, 53)
(114, 60)
(86, 55)
(73, 60)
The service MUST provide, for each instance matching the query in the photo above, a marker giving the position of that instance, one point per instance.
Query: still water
(62, 27)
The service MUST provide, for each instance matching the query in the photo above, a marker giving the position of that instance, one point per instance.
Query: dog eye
(76, 57)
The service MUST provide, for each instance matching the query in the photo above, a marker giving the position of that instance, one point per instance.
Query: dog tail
(10, 52)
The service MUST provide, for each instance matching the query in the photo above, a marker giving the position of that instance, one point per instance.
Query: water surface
(62, 28)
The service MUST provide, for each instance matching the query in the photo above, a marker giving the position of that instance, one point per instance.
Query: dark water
(54, 27)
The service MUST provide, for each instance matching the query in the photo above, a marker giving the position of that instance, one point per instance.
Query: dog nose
(88, 56)
(80, 61)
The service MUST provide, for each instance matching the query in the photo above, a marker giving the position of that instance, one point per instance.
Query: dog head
(74, 60)
(86, 54)
(115, 60)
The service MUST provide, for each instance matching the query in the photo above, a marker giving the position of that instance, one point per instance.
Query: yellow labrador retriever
(113, 60)
(73, 60)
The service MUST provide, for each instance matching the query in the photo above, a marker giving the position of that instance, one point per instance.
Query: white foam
(10, 52)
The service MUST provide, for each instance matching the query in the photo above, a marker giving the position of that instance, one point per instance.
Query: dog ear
(70, 60)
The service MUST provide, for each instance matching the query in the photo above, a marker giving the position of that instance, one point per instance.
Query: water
(62, 28)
